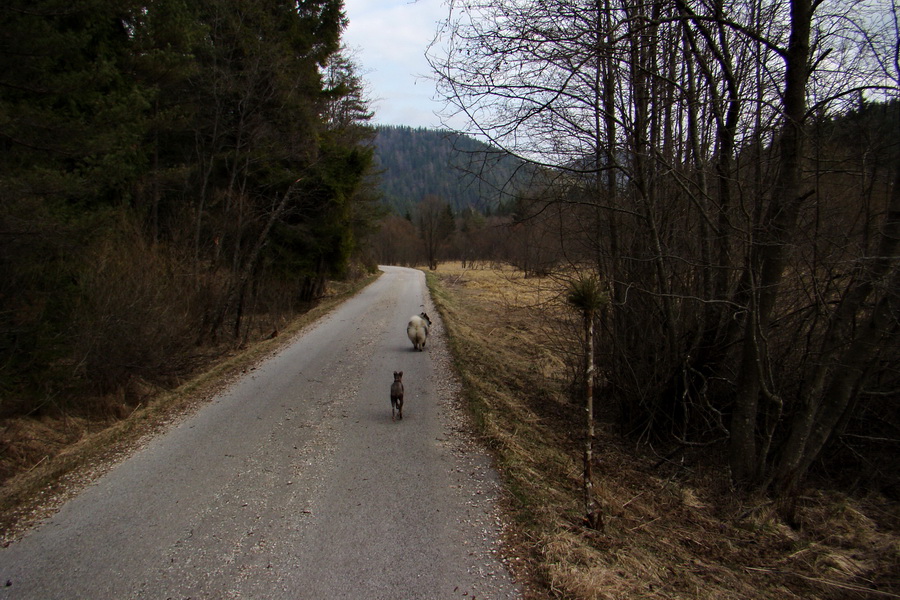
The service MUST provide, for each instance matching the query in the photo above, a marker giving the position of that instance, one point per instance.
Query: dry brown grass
(45, 460)
(671, 531)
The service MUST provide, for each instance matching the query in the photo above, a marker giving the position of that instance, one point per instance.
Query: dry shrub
(672, 527)
(138, 317)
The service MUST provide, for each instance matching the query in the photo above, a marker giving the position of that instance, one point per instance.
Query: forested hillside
(459, 170)
(175, 177)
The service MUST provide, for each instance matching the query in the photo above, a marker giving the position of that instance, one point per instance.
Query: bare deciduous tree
(677, 136)
(436, 223)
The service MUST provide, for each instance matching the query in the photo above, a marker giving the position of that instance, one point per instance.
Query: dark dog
(397, 395)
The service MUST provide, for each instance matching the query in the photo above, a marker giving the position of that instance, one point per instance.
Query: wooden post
(592, 515)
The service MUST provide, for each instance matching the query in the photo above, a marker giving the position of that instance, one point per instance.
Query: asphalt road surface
(293, 483)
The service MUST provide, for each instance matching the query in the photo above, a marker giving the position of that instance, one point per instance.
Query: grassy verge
(671, 530)
(54, 456)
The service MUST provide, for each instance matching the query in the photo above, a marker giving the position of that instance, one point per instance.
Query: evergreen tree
(71, 129)
(201, 155)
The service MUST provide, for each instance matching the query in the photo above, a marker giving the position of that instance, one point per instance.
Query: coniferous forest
(460, 170)
(168, 170)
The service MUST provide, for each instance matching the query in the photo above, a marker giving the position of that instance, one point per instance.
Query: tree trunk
(769, 253)
(237, 290)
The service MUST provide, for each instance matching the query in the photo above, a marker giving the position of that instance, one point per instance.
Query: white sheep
(417, 330)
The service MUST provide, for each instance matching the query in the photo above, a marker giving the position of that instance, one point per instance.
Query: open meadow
(672, 527)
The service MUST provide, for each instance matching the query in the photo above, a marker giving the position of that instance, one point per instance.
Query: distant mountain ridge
(417, 162)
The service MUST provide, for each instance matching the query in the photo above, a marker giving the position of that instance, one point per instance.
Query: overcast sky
(390, 38)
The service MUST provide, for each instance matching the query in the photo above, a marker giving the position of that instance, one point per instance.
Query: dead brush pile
(672, 527)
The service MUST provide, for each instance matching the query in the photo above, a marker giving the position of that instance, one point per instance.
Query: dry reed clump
(671, 528)
(28, 442)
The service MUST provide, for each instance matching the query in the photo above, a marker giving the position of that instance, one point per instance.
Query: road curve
(293, 483)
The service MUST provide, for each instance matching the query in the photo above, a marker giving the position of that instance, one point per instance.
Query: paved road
(294, 483)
